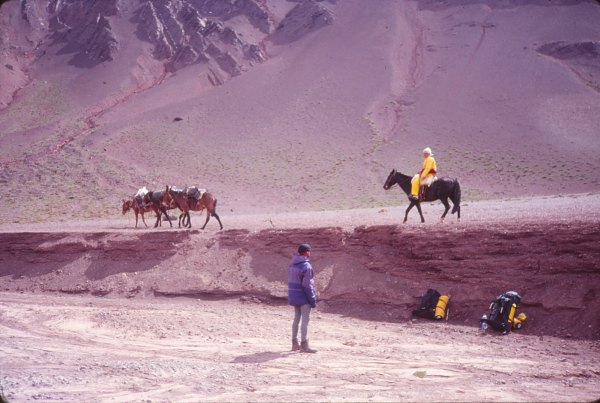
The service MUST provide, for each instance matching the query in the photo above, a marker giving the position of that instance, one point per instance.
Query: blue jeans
(301, 311)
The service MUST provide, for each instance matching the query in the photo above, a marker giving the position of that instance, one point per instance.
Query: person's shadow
(260, 357)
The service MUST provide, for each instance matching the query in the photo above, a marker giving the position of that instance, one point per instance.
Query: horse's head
(168, 199)
(126, 205)
(391, 180)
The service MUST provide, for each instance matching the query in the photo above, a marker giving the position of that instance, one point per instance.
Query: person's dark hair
(303, 248)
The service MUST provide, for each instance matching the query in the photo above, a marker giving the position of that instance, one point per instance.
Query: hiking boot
(305, 349)
(295, 345)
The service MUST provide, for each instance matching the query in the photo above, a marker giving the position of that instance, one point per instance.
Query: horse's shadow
(261, 357)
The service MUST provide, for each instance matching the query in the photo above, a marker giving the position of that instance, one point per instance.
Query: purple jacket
(301, 286)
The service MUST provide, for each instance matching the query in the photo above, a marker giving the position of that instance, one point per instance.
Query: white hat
(427, 150)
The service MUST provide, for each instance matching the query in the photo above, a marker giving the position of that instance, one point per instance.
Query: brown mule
(181, 199)
(130, 204)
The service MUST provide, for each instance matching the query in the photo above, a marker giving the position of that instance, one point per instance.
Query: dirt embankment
(372, 272)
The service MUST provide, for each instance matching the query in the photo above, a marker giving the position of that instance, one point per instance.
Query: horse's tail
(456, 198)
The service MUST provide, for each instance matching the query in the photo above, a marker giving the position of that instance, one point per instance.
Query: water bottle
(484, 324)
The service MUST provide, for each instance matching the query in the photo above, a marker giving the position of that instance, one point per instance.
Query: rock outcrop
(582, 58)
(85, 30)
(227, 35)
(304, 18)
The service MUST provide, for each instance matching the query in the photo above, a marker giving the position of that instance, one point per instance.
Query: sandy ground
(76, 348)
(99, 311)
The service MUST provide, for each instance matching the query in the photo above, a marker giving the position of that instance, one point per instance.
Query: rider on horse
(425, 177)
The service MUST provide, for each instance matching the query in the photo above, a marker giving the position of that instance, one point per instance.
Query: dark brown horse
(157, 202)
(182, 200)
(442, 189)
(152, 201)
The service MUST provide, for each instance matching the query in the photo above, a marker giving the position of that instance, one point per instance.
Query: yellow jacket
(429, 167)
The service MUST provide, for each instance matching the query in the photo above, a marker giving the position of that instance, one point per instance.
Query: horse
(159, 205)
(131, 204)
(179, 197)
(442, 189)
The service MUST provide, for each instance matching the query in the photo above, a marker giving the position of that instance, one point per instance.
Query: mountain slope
(293, 105)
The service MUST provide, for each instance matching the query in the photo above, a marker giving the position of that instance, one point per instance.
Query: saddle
(425, 187)
(139, 201)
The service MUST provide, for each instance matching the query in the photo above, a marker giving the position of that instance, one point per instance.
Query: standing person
(425, 177)
(301, 295)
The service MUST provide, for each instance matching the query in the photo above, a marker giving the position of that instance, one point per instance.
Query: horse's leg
(420, 212)
(158, 215)
(410, 206)
(189, 219)
(214, 214)
(184, 219)
(143, 220)
(207, 218)
(456, 208)
(136, 217)
(446, 207)
(164, 210)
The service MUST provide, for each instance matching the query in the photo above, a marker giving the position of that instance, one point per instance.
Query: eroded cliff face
(83, 29)
(184, 32)
(375, 272)
(228, 35)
